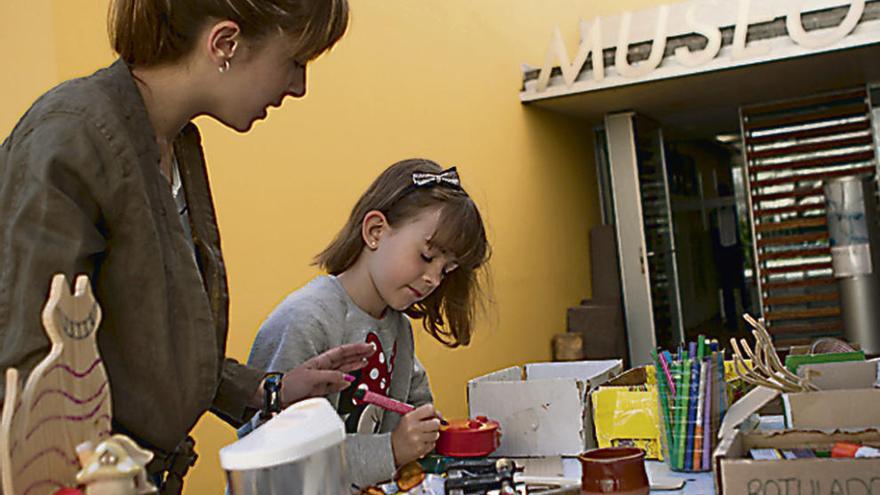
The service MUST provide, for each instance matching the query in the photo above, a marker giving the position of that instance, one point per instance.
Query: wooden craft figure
(767, 369)
(65, 401)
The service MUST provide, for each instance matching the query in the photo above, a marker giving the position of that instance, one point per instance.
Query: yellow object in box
(730, 370)
(625, 410)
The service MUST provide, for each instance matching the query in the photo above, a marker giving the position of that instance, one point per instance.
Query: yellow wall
(28, 72)
(435, 78)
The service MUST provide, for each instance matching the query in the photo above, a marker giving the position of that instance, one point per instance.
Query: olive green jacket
(81, 193)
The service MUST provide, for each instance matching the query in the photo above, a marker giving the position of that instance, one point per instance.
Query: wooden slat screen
(790, 148)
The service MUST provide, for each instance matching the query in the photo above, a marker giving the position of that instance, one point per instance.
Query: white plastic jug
(300, 451)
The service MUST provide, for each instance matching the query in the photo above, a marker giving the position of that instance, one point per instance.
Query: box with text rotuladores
(736, 473)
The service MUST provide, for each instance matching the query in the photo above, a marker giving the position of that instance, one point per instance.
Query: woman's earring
(225, 67)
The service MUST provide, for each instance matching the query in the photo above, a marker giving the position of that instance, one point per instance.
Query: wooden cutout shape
(767, 370)
(65, 401)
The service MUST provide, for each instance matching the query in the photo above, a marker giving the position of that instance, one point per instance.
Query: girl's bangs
(460, 232)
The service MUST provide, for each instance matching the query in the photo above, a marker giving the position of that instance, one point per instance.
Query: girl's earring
(225, 67)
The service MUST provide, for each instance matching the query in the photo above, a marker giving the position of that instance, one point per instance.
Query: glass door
(646, 239)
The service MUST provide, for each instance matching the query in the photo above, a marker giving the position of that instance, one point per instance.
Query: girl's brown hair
(152, 32)
(447, 313)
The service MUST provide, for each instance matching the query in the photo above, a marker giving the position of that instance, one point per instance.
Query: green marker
(683, 410)
(662, 390)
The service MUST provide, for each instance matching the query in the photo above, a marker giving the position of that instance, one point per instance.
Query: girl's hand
(415, 435)
(324, 374)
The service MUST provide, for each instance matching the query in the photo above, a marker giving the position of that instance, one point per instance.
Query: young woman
(105, 176)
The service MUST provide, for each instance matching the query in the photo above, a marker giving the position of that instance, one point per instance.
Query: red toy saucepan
(469, 437)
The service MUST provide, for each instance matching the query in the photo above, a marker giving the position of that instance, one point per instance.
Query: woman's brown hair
(152, 32)
(447, 313)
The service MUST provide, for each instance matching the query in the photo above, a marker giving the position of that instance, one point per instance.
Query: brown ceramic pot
(615, 470)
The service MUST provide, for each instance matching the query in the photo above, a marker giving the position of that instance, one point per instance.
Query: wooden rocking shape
(65, 402)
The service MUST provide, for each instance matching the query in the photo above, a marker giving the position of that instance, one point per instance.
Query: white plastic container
(299, 451)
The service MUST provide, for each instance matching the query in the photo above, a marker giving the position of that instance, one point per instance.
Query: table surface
(695, 483)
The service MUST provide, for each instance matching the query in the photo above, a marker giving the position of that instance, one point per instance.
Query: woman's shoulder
(100, 100)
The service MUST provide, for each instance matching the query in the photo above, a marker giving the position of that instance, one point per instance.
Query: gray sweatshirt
(320, 316)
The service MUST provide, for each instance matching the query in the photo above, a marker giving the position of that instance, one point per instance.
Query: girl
(105, 175)
(412, 246)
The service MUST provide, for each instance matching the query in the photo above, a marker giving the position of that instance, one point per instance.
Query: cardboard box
(842, 375)
(844, 384)
(857, 408)
(737, 474)
(543, 408)
(848, 398)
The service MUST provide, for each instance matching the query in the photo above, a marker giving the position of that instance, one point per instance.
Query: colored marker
(388, 403)
(708, 433)
(665, 398)
(684, 407)
(701, 404)
(384, 402)
(693, 391)
(676, 418)
(723, 391)
(665, 366)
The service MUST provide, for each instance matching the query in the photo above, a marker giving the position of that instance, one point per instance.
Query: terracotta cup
(618, 470)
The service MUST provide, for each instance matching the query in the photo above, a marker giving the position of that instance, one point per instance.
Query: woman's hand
(415, 435)
(324, 374)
